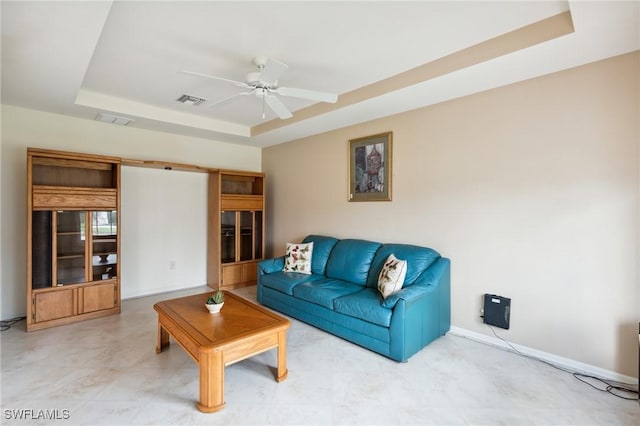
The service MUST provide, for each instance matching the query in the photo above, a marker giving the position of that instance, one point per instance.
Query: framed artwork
(370, 168)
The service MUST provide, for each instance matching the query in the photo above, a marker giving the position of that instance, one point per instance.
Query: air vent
(113, 119)
(191, 100)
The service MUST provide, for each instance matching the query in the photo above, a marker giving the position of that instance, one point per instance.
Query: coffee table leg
(282, 356)
(163, 338)
(211, 382)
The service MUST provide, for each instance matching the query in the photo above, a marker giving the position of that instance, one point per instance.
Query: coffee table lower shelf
(241, 330)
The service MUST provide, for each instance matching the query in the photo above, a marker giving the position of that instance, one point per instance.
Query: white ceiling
(124, 58)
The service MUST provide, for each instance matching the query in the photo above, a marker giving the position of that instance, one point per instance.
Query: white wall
(22, 128)
(168, 251)
(532, 190)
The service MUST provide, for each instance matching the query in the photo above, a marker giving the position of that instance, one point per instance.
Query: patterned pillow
(298, 258)
(392, 276)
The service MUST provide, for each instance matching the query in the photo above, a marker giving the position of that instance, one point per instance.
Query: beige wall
(531, 189)
(163, 216)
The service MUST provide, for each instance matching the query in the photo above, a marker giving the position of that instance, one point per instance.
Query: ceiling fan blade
(277, 106)
(307, 94)
(221, 101)
(272, 71)
(236, 83)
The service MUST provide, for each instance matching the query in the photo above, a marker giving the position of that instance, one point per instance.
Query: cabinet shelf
(54, 168)
(241, 183)
(71, 256)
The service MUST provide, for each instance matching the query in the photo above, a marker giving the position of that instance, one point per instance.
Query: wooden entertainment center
(236, 228)
(73, 232)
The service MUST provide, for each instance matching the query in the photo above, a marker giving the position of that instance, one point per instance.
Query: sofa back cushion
(350, 260)
(418, 259)
(322, 247)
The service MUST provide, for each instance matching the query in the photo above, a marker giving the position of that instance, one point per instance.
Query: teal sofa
(341, 296)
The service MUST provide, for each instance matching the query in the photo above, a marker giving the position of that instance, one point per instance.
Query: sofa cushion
(322, 247)
(324, 291)
(297, 258)
(392, 276)
(284, 282)
(418, 259)
(343, 325)
(364, 305)
(350, 260)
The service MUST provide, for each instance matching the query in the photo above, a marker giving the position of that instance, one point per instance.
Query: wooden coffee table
(241, 329)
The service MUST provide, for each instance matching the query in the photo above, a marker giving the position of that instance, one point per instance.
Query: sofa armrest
(269, 266)
(428, 281)
(407, 294)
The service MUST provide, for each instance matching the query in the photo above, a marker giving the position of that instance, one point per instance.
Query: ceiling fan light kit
(264, 84)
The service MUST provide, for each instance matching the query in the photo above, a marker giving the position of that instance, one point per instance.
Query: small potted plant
(215, 302)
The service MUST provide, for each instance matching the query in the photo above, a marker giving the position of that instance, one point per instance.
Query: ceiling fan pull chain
(263, 96)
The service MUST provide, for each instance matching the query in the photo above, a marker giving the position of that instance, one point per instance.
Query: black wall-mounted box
(497, 310)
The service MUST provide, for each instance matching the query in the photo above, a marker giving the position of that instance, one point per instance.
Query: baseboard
(567, 363)
(158, 291)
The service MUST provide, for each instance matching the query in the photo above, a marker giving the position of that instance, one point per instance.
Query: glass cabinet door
(241, 236)
(257, 218)
(104, 244)
(70, 247)
(41, 249)
(246, 235)
(228, 237)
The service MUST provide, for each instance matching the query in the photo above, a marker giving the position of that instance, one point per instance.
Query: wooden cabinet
(53, 305)
(73, 237)
(236, 228)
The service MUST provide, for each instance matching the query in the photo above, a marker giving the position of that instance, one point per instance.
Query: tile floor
(104, 371)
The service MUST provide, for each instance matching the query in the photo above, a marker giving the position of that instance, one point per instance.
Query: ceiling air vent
(191, 100)
(113, 119)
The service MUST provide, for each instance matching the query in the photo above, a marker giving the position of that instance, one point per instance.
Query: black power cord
(610, 387)
(7, 324)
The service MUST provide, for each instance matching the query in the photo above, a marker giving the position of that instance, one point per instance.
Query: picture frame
(370, 163)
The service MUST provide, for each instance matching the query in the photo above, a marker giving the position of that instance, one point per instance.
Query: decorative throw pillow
(391, 276)
(298, 258)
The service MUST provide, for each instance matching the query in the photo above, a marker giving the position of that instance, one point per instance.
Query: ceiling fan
(264, 84)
